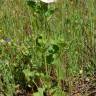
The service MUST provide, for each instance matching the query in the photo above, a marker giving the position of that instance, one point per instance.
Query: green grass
(38, 46)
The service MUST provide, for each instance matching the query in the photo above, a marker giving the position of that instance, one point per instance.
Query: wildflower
(2, 41)
(81, 71)
(48, 1)
(7, 39)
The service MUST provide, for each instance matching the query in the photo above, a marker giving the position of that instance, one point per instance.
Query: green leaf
(49, 58)
(40, 92)
(28, 74)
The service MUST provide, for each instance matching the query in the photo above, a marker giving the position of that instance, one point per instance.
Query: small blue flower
(7, 40)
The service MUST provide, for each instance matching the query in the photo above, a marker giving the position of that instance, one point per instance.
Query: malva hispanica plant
(43, 45)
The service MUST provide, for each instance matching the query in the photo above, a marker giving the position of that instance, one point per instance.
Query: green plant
(44, 47)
